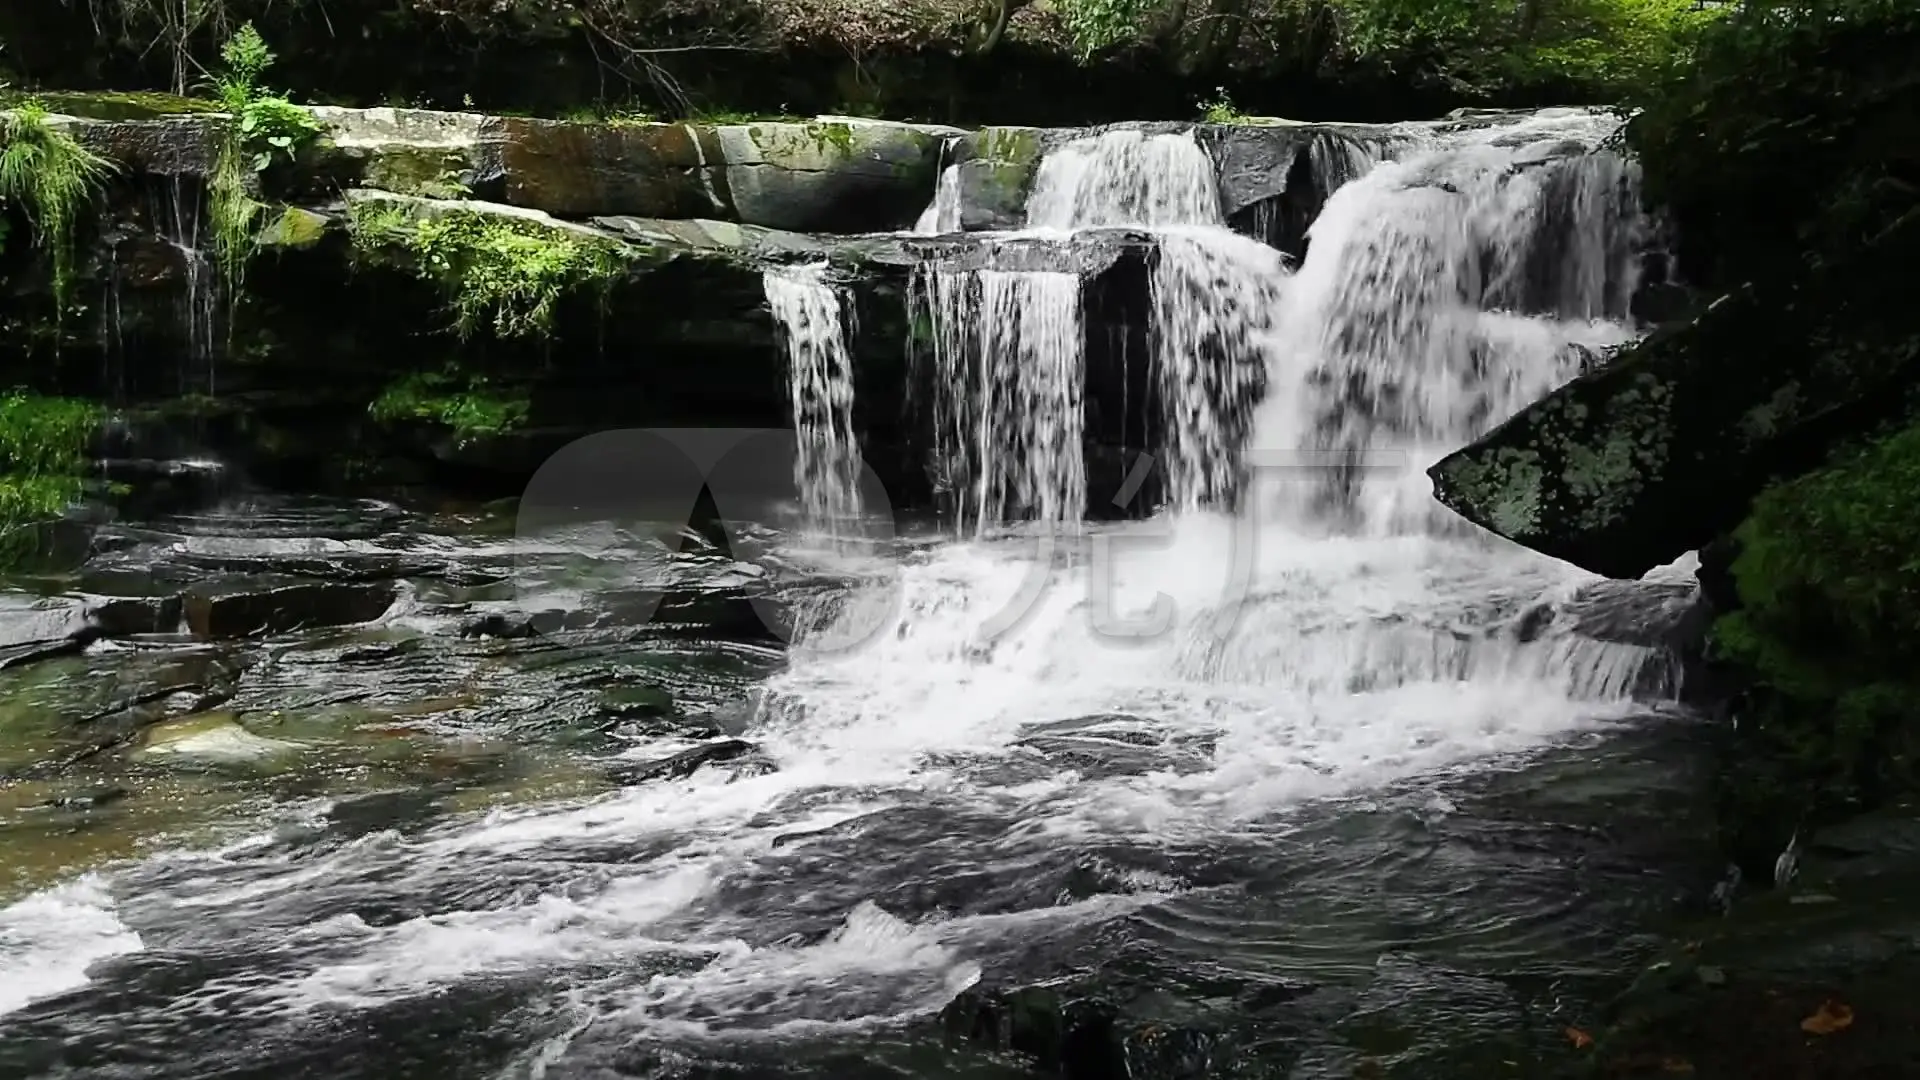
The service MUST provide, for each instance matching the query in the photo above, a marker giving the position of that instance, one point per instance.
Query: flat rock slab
(239, 611)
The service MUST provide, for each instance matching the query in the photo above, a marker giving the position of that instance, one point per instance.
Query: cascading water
(1331, 634)
(1034, 762)
(178, 216)
(1124, 177)
(1007, 374)
(1214, 293)
(1441, 293)
(817, 328)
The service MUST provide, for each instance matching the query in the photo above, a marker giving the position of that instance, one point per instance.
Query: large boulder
(1662, 450)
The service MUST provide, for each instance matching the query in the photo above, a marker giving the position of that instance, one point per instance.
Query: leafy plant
(49, 176)
(43, 452)
(497, 272)
(273, 124)
(265, 126)
(1221, 109)
(469, 407)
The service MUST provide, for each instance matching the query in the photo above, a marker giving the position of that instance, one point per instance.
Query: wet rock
(128, 616)
(212, 737)
(726, 614)
(186, 145)
(622, 704)
(1063, 1034)
(86, 800)
(240, 611)
(1662, 450)
(523, 626)
(833, 174)
(995, 168)
(681, 765)
(1653, 614)
(376, 811)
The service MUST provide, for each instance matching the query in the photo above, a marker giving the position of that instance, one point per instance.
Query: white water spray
(1008, 378)
(817, 328)
(1441, 293)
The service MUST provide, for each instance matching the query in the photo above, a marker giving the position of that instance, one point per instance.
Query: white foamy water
(1007, 383)
(49, 940)
(1441, 293)
(1124, 177)
(816, 326)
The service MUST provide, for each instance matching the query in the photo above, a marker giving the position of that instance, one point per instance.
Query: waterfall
(817, 328)
(942, 215)
(177, 216)
(1124, 177)
(1442, 292)
(1214, 293)
(1008, 379)
(1215, 297)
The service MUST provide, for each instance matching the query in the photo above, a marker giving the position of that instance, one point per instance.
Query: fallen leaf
(1830, 1017)
(1676, 1065)
(1580, 1039)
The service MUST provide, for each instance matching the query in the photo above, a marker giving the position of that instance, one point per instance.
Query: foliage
(1828, 633)
(1593, 49)
(43, 451)
(49, 176)
(265, 125)
(497, 271)
(470, 409)
(1221, 109)
(1828, 564)
(1098, 25)
(1797, 113)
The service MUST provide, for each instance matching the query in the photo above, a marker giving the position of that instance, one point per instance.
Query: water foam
(50, 939)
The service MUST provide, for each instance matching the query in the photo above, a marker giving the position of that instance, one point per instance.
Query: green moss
(1010, 145)
(833, 139)
(49, 177)
(429, 172)
(294, 228)
(112, 104)
(1503, 490)
(497, 271)
(43, 453)
(468, 408)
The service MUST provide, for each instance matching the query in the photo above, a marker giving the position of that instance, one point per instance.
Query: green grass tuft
(49, 176)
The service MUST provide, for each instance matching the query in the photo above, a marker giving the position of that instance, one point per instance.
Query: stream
(1324, 785)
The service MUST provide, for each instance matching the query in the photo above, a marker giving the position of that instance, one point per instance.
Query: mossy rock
(836, 175)
(112, 104)
(294, 229)
(1662, 449)
(996, 167)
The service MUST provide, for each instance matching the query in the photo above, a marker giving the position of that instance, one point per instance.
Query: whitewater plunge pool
(1372, 795)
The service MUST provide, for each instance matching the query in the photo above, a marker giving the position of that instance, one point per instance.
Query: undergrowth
(265, 126)
(496, 272)
(43, 454)
(465, 404)
(50, 177)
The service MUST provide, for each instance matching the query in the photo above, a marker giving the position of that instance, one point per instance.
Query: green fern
(49, 176)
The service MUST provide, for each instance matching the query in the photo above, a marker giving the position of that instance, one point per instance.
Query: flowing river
(1296, 777)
